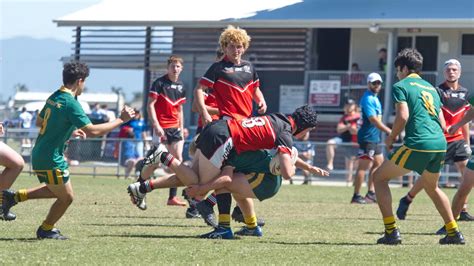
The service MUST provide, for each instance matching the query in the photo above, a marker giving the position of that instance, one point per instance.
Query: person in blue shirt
(370, 152)
(140, 131)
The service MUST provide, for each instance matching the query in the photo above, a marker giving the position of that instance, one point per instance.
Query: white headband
(452, 62)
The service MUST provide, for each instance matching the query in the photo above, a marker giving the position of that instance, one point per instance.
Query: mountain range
(36, 64)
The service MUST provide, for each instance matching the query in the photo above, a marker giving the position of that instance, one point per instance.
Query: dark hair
(304, 117)
(383, 50)
(74, 71)
(410, 58)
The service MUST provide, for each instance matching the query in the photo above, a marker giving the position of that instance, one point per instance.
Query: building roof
(276, 13)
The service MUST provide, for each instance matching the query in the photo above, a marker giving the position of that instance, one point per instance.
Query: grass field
(305, 225)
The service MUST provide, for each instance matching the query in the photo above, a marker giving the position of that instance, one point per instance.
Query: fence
(104, 156)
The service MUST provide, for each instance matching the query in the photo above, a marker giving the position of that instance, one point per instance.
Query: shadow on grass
(139, 217)
(147, 225)
(148, 236)
(22, 239)
(323, 243)
(404, 233)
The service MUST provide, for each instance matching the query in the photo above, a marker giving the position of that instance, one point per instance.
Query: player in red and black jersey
(455, 105)
(234, 81)
(165, 109)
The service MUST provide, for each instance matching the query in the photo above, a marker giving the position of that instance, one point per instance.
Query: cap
(452, 62)
(374, 77)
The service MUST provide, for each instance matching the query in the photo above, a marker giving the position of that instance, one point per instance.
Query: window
(467, 46)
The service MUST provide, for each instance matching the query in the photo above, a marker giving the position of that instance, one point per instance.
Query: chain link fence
(106, 156)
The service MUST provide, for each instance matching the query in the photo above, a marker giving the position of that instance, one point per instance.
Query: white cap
(452, 62)
(374, 77)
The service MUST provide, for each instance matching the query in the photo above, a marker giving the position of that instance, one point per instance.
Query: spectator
(356, 77)
(98, 115)
(139, 129)
(109, 114)
(25, 123)
(347, 130)
(128, 152)
(382, 59)
(306, 153)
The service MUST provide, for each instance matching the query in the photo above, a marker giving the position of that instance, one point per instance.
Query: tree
(20, 87)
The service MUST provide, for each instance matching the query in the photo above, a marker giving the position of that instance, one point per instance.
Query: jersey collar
(414, 75)
(64, 89)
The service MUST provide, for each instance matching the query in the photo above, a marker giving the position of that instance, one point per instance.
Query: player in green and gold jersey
(61, 117)
(418, 112)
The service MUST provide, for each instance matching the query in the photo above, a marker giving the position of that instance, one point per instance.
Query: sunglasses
(376, 82)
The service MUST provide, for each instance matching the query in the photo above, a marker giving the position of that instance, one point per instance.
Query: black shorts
(173, 135)
(367, 150)
(457, 151)
(215, 142)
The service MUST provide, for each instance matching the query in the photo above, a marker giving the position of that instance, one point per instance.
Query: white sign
(325, 92)
(291, 97)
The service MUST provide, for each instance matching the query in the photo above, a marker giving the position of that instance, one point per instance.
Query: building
(299, 47)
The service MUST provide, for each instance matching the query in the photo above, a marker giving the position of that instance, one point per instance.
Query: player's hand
(262, 107)
(389, 143)
(1, 129)
(318, 171)
(79, 133)
(206, 118)
(193, 191)
(127, 113)
(159, 132)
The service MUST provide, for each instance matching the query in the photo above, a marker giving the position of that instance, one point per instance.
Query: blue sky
(34, 19)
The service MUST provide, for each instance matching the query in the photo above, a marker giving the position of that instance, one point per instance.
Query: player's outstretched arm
(466, 119)
(301, 164)
(102, 129)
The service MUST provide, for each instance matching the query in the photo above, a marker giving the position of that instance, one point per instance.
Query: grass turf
(305, 225)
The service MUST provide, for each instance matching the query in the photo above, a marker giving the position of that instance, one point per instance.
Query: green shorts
(470, 163)
(53, 177)
(417, 160)
(264, 185)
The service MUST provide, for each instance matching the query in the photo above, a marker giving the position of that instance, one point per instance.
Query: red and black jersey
(273, 131)
(209, 100)
(455, 105)
(352, 120)
(169, 97)
(234, 87)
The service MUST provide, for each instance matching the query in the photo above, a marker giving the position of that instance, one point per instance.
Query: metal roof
(277, 13)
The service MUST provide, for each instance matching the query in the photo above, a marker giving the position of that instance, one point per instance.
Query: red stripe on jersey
(454, 118)
(233, 102)
(284, 149)
(153, 94)
(167, 112)
(255, 133)
(237, 87)
(206, 82)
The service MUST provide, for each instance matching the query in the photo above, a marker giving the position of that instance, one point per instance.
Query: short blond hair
(236, 35)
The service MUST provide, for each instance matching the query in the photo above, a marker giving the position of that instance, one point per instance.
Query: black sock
(224, 202)
(173, 192)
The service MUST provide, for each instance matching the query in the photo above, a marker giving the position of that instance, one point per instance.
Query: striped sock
(251, 221)
(410, 197)
(146, 187)
(224, 202)
(452, 228)
(211, 199)
(224, 220)
(390, 224)
(21, 195)
(166, 158)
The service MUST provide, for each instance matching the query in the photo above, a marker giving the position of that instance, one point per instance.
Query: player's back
(423, 129)
(61, 114)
